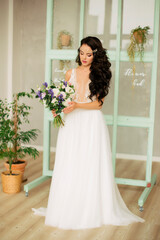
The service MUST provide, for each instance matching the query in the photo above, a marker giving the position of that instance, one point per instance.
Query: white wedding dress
(83, 191)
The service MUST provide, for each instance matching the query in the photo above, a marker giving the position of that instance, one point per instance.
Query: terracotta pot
(11, 183)
(19, 166)
(139, 36)
(65, 39)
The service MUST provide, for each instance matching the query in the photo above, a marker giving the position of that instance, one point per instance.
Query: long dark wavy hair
(100, 73)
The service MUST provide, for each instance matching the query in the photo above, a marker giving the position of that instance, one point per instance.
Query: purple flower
(50, 91)
(39, 95)
(60, 96)
(65, 83)
(45, 84)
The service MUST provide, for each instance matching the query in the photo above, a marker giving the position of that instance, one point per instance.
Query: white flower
(63, 94)
(66, 103)
(44, 102)
(39, 89)
(43, 95)
(63, 86)
(56, 92)
(72, 95)
(54, 100)
(69, 89)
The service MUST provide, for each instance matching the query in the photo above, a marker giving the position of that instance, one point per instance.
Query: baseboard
(118, 155)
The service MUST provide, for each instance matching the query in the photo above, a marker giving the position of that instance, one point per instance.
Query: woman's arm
(68, 75)
(92, 105)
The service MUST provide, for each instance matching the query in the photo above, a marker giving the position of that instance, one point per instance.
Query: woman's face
(86, 55)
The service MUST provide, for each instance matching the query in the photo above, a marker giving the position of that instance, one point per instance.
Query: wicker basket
(11, 183)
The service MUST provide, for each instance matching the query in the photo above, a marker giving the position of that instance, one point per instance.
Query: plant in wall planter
(64, 41)
(138, 39)
(13, 139)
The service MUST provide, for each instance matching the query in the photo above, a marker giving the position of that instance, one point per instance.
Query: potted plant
(64, 40)
(138, 39)
(12, 137)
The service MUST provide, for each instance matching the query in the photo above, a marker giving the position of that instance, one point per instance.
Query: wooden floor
(18, 222)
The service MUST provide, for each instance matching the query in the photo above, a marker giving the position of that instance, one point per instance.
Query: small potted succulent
(13, 138)
(138, 39)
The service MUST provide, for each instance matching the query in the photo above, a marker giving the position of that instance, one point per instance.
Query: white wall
(4, 6)
(29, 54)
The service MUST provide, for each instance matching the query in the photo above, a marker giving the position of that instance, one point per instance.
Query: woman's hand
(54, 113)
(70, 108)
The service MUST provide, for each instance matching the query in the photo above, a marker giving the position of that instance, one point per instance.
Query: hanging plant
(64, 40)
(138, 39)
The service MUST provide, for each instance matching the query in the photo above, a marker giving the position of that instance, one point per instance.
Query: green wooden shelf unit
(115, 120)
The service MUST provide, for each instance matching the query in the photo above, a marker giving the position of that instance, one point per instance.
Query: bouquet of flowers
(55, 98)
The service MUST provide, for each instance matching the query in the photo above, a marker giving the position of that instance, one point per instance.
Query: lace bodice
(81, 89)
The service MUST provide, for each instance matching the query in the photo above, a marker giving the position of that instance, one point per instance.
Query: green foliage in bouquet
(12, 117)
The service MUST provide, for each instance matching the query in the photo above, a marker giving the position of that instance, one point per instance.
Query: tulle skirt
(83, 191)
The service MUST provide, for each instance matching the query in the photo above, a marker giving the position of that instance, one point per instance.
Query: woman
(83, 192)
